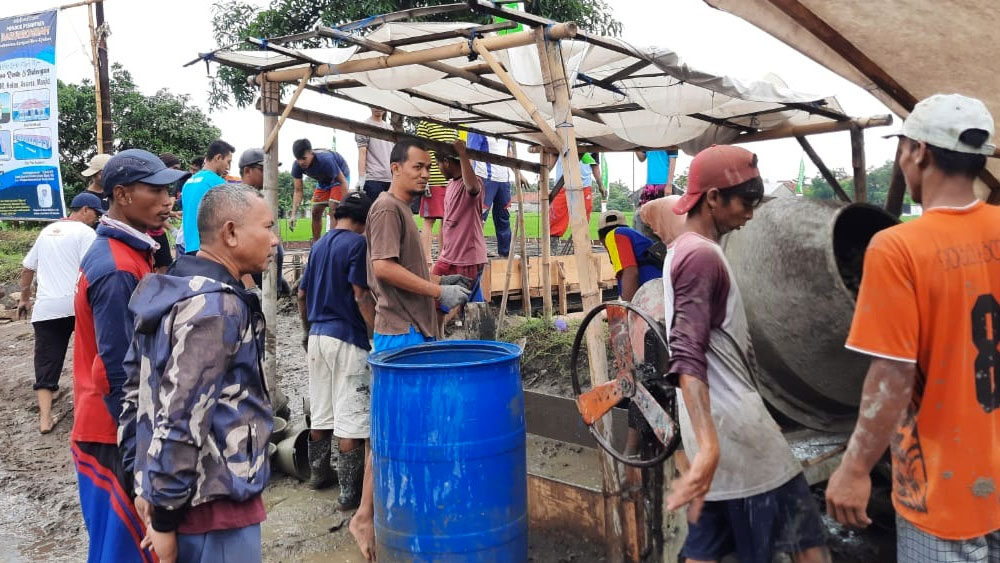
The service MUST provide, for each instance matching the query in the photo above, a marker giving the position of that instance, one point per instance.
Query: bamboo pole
(523, 240)
(317, 118)
(506, 283)
(543, 203)
(589, 290)
(814, 128)
(858, 163)
(557, 31)
(515, 90)
(97, 75)
(273, 135)
(270, 94)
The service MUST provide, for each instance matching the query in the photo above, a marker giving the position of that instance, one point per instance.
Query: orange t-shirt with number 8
(930, 294)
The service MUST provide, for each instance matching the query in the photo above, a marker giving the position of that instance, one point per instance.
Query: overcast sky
(154, 39)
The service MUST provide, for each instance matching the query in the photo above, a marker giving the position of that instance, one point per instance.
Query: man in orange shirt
(928, 315)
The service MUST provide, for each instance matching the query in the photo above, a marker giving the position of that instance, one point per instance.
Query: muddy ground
(39, 510)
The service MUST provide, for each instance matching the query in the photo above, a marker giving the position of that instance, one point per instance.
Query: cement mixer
(798, 264)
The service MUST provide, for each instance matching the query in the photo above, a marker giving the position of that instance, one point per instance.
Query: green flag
(516, 6)
(802, 175)
(604, 172)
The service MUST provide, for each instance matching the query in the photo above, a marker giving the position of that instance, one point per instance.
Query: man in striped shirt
(432, 204)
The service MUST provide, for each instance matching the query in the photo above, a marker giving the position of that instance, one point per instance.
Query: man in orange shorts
(928, 316)
(330, 171)
(590, 173)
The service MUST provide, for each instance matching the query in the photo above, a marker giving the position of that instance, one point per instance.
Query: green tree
(163, 122)
(619, 197)
(878, 179)
(233, 21)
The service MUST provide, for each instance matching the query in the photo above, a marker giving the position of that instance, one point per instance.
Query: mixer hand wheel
(630, 382)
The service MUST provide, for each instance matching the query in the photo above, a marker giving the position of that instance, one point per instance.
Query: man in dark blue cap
(54, 260)
(137, 184)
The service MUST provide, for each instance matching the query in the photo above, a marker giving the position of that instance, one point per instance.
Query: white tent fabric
(666, 103)
(923, 47)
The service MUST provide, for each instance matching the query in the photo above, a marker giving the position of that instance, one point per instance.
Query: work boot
(351, 472)
(321, 474)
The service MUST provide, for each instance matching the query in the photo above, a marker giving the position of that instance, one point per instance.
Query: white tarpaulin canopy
(900, 51)
(623, 97)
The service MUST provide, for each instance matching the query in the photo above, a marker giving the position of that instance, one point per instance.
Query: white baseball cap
(941, 119)
(96, 164)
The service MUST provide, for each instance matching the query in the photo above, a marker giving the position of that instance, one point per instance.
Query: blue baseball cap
(87, 199)
(136, 165)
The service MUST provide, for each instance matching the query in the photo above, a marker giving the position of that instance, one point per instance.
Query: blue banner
(30, 186)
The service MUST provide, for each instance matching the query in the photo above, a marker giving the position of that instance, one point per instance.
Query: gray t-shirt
(710, 339)
(392, 233)
(377, 161)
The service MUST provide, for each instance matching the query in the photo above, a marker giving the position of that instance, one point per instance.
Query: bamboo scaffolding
(522, 240)
(273, 135)
(515, 89)
(543, 203)
(317, 118)
(558, 31)
(589, 290)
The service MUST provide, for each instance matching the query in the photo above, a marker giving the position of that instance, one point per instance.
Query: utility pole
(102, 89)
(105, 126)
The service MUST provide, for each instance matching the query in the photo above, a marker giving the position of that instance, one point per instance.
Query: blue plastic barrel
(449, 453)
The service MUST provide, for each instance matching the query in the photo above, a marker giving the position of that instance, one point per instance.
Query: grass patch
(532, 225)
(14, 244)
(546, 358)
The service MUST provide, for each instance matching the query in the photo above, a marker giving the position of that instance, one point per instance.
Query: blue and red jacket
(109, 272)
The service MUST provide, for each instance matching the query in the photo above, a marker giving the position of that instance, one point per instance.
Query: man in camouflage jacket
(197, 414)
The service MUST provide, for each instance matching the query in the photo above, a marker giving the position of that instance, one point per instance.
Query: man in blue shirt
(496, 186)
(217, 161)
(338, 316)
(330, 171)
(658, 167)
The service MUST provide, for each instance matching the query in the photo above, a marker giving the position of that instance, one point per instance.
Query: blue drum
(448, 439)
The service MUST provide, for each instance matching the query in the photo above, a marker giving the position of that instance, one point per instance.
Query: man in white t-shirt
(55, 260)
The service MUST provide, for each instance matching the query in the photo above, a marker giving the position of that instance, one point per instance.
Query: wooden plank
(554, 505)
(563, 302)
(557, 418)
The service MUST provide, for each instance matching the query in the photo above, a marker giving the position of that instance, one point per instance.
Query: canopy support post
(522, 240)
(897, 189)
(546, 251)
(827, 175)
(589, 290)
(270, 99)
(858, 162)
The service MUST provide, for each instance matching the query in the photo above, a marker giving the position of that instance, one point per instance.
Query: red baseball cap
(718, 166)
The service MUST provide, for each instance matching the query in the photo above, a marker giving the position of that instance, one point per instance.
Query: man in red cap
(744, 490)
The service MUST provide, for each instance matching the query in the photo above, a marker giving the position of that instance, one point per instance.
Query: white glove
(453, 296)
(361, 182)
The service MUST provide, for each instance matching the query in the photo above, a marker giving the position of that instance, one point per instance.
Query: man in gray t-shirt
(374, 174)
(745, 490)
(405, 313)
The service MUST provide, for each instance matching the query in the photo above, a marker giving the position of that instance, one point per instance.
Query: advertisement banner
(30, 186)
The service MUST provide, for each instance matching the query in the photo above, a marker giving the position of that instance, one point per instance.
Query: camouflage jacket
(196, 417)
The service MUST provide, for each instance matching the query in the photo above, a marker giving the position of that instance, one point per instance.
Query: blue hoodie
(197, 414)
